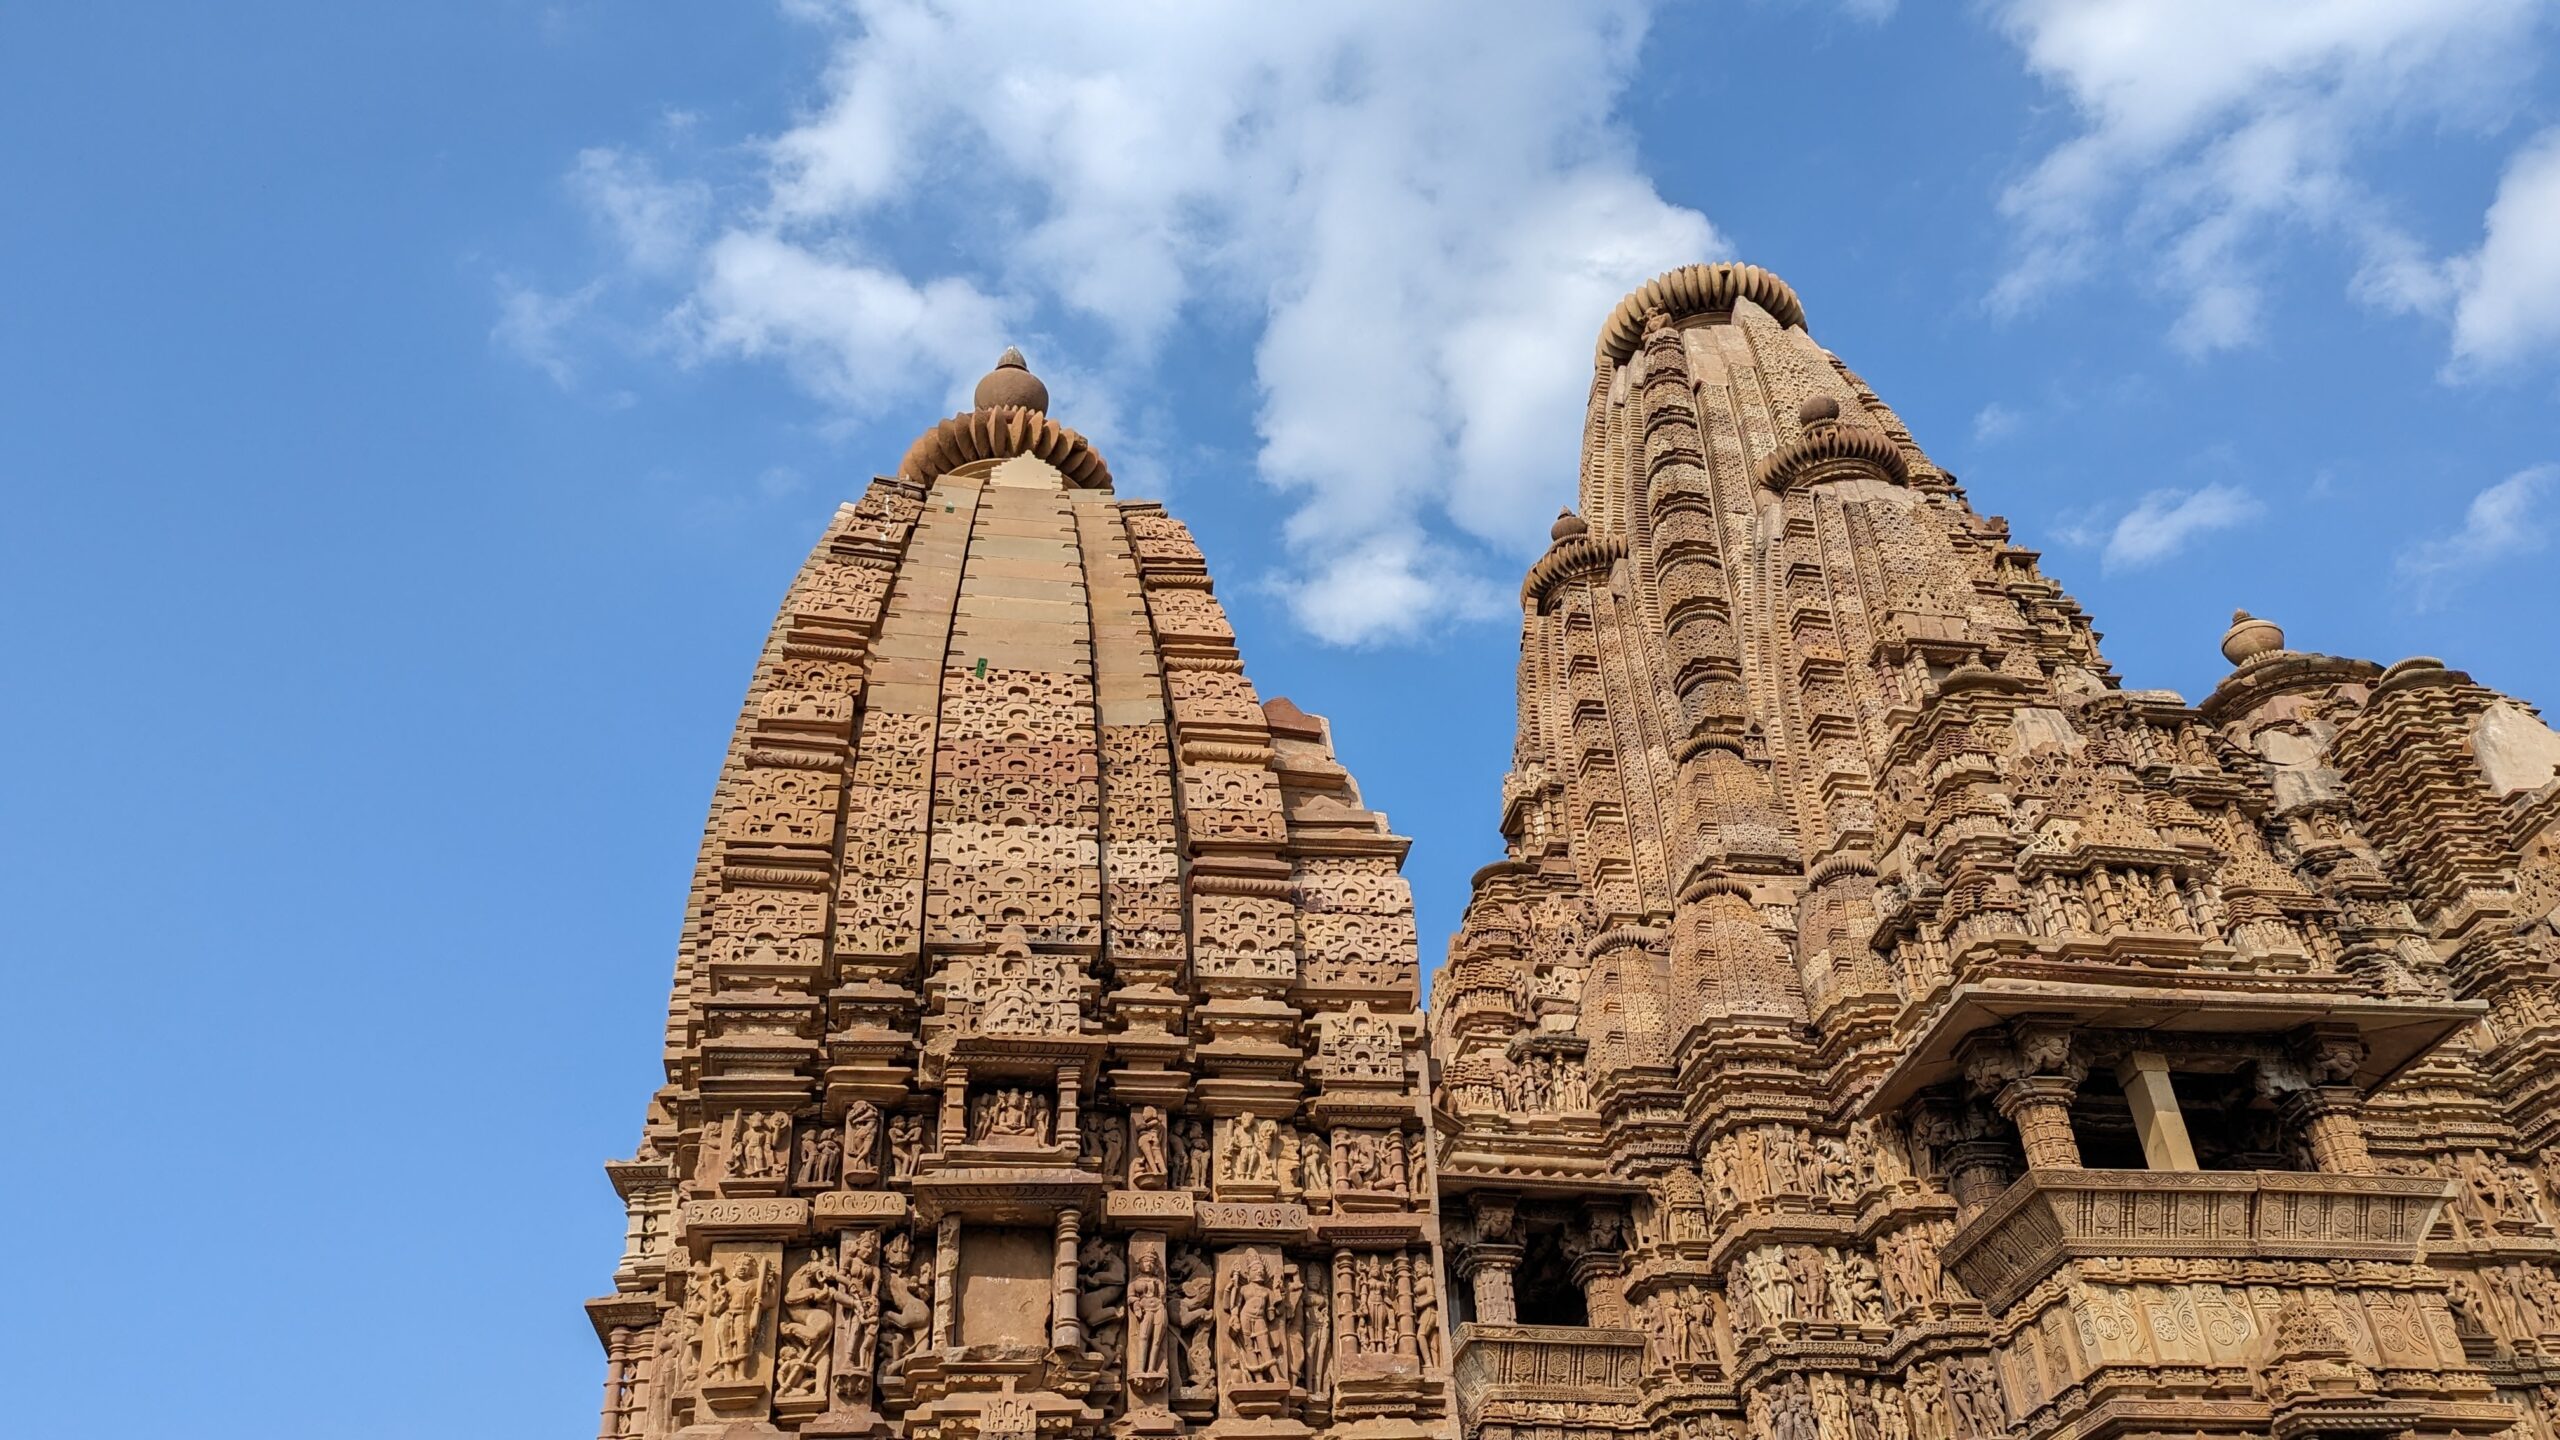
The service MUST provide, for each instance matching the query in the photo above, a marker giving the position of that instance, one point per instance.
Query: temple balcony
(2054, 1216)
(2395, 1032)
(1585, 1377)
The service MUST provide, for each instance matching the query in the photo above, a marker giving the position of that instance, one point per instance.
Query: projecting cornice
(1695, 290)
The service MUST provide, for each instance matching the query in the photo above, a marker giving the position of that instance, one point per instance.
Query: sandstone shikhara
(1881, 1025)
(1043, 1057)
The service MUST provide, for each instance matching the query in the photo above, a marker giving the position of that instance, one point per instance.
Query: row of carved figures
(1537, 1084)
(850, 1314)
(1143, 1149)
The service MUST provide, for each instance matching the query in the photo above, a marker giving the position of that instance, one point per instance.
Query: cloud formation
(2507, 302)
(2166, 522)
(2501, 523)
(1422, 250)
(2209, 131)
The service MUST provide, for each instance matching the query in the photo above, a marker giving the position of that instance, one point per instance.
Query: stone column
(1066, 1332)
(946, 1282)
(954, 1121)
(1603, 1278)
(1070, 1127)
(1977, 1171)
(617, 1371)
(2330, 1119)
(2040, 1106)
(2156, 1117)
(1488, 1270)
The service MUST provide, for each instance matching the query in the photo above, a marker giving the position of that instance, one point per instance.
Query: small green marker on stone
(982, 667)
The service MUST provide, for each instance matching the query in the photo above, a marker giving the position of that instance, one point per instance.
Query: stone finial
(1568, 526)
(1818, 410)
(2250, 637)
(1012, 384)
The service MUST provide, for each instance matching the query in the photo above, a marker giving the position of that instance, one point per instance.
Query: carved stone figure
(1148, 1164)
(1194, 1313)
(1149, 1331)
(906, 1142)
(804, 1341)
(735, 1295)
(1251, 1322)
(821, 1160)
(862, 1137)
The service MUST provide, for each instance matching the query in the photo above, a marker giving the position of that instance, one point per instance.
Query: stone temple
(1881, 1023)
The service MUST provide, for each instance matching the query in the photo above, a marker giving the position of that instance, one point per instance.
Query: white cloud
(857, 335)
(2167, 521)
(532, 324)
(2509, 289)
(657, 223)
(1422, 210)
(2501, 522)
(2212, 129)
(1995, 421)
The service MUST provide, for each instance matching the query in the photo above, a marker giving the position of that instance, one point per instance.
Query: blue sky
(410, 416)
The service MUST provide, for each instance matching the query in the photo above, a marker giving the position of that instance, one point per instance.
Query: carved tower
(1883, 1025)
(1043, 1058)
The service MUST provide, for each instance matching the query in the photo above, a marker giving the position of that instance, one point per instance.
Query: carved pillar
(1488, 1270)
(1977, 1171)
(2156, 1117)
(955, 1106)
(1065, 1333)
(2330, 1119)
(946, 1281)
(2040, 1106)
(1069, 1131)
(617, 1380)
(1603, 1278)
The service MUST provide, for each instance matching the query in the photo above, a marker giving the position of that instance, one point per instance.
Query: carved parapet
(2052, 1217)
(1587, 1377)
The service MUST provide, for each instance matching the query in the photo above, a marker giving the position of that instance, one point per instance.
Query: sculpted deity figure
(673, 1366)
(861, 1137)
(857, 1319)
(1194, 1305)
(1148, 1166)
(1319, 1372)
(1426, 1316)
(1778, 1147)
(1251, 1323)
(906, 1141)
(1115, 1146)
(802, 1345)
(734, 1297)
(820, 1161)
(1291, 1307)
(1248, 1153)
(1102, 1288)
(1192, 1153)
(1148, 1332)
(906, 1311)
(1010, 1116)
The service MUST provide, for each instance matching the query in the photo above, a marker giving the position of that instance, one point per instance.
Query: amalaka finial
(1818, 410)
(1568, 526)
(1011, 384)
(2250, 637)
